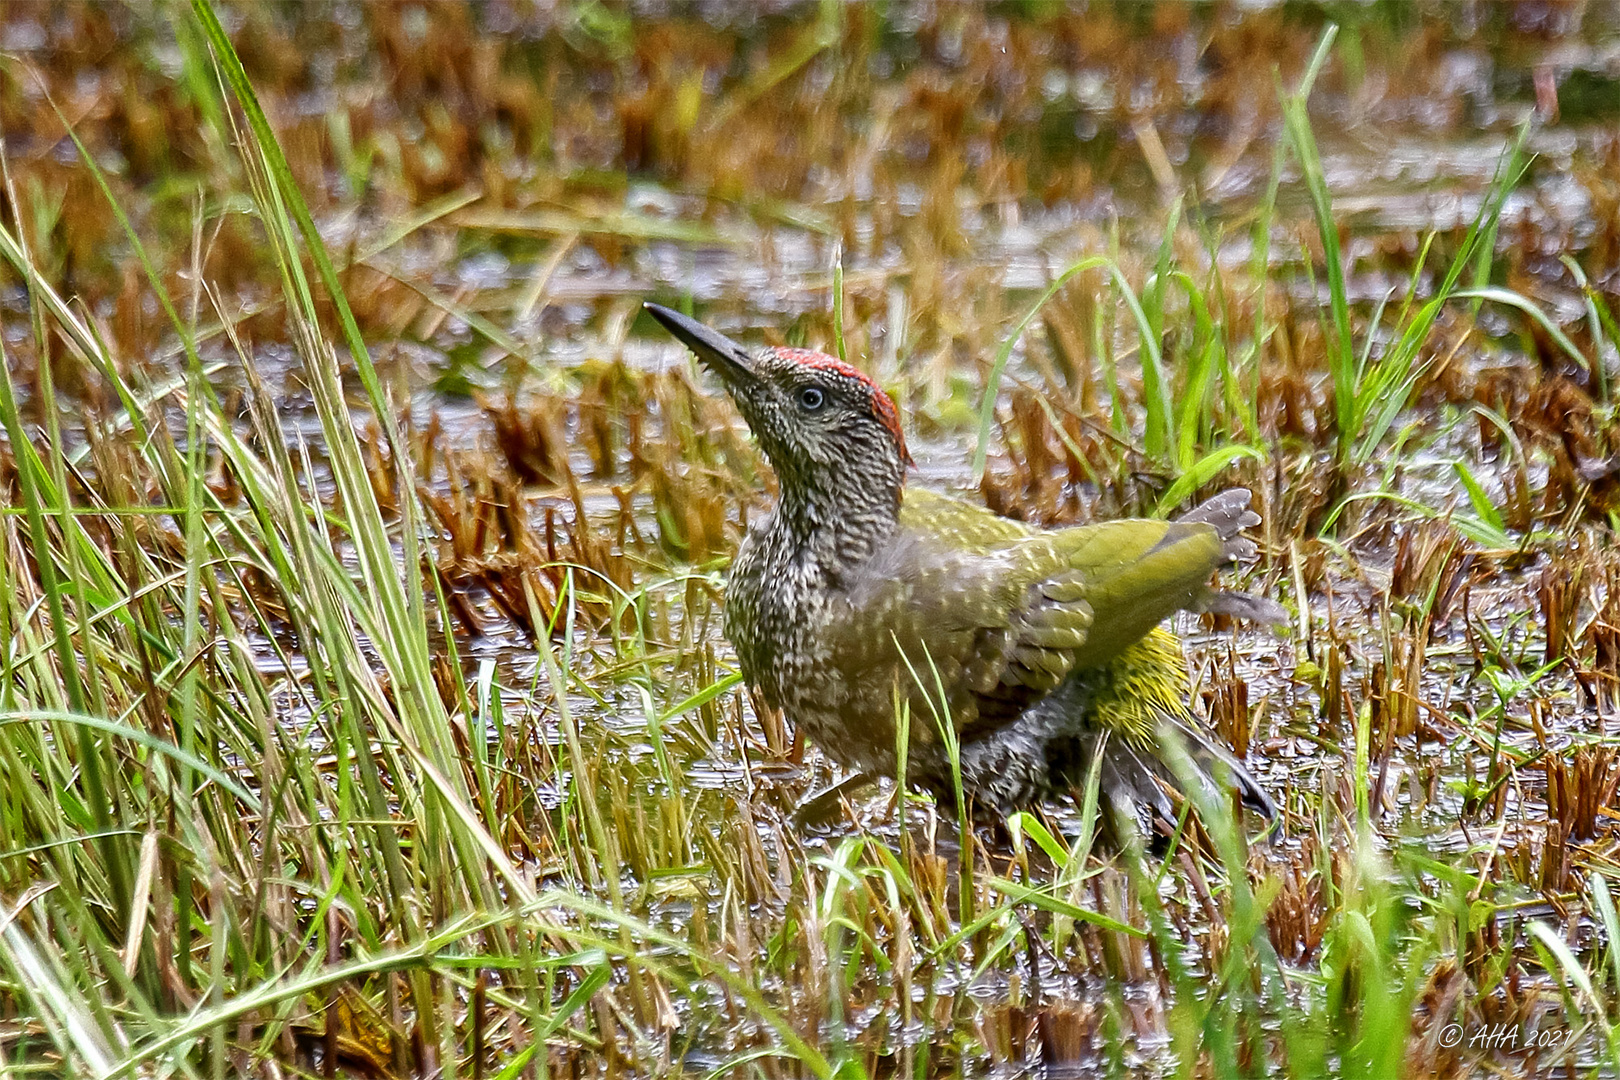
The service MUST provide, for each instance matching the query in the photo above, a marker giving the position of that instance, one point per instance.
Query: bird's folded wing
(1138, 573)
(997, 629)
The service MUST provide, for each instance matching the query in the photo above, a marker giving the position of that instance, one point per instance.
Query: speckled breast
(777, 612)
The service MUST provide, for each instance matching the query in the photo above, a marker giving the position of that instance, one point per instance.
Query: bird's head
(826, 427)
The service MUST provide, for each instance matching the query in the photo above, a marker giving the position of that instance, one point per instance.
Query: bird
(1029, 656)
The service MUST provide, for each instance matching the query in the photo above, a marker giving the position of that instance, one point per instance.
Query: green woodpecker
(1035, 652)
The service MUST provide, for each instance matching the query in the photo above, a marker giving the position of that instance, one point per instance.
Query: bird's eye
(811, 398)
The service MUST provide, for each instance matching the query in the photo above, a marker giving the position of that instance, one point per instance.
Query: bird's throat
(837, 526)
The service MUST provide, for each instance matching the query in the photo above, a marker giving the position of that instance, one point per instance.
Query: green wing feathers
(1007, 614)
(1138, 573)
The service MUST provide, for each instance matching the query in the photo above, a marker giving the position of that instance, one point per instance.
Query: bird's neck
(839, 520)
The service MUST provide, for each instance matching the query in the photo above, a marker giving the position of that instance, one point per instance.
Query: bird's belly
(848, 723)
(851, 714)
(785, 652)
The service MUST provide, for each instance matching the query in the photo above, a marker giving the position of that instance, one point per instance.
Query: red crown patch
(882, 404)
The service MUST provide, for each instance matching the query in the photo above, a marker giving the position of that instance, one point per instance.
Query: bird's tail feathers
(1216, 764)
(1133, 783)
(1136, 782)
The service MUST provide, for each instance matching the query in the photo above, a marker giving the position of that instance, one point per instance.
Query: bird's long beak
(719, 353)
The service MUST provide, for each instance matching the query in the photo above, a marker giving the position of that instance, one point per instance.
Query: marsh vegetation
(363, 703)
